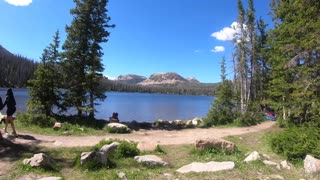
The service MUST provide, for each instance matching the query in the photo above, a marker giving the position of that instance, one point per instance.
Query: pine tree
(44, 88)
(82, 56)
(294, 57)
(221, 111)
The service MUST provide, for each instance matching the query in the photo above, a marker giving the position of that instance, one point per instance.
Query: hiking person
(11, 109)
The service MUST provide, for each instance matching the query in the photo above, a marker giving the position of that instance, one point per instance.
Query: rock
(122, 176)
(311, 165)
(39, 160)
(265, 156)
(147, 146)
(252, 157)
(285, 165)
(206, 167)
(152, 160)
(87, 157)
(269, 163)
(110, 148)
(119, 127)
(276, 176)
(57, 125)
(219, 144)
(197, 121)
(50, 178)
(93, 156)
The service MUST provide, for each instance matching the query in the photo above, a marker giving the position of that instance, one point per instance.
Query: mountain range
(169, 78)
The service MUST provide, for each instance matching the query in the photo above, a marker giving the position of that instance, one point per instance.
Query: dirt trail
(147, 139)
(144, 137)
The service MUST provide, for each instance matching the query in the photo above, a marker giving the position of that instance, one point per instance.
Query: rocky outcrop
(39, 160)
(206, 167)
(311, 165)
(118, 128)
(214, 143)
(151, 160)
(164, 78)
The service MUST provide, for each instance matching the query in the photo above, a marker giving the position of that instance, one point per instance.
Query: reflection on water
(139, 106)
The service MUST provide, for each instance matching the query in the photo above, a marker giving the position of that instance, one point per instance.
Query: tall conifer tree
(83, 53)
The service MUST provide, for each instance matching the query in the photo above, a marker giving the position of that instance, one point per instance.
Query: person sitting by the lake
(11, 109)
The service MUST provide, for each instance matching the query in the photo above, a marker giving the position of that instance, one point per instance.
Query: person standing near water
(11, 109)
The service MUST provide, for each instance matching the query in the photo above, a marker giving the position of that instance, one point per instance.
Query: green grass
(176, 155)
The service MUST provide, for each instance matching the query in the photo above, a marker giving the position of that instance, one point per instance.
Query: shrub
(249, 119)
(127, 149)
(296, 142)
(40, 120)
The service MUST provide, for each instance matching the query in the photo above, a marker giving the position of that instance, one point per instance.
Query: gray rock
(215, 143)
(252, 157)
(311, 165)
(50, 178)
(269, 163)
(152, 160)
(117, 125)
(39, 160)
(265, 156)
(206, 167)
(197, 121)
(285, 165)
(122, 176)
(93, 156)
(110, 148)
(87, 157)
(57, 125)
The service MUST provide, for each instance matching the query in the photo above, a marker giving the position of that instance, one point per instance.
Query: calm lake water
(138, 106)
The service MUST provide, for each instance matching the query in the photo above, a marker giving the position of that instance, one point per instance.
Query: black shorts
(10, 111)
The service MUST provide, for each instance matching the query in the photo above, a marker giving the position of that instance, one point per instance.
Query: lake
(141, 107)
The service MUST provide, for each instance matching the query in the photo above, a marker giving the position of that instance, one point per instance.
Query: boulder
(207, 167)
(152, 160)
(110, 148)
(87, 157)
(215, 143)
(197, 121)
(57, 125)
(311, 165)
(118, 128)
(252, 157)
(93, 156)
(39, 160)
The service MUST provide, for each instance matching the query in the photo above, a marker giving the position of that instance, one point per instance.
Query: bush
(127, 149)
(40, 120)
(296, 142)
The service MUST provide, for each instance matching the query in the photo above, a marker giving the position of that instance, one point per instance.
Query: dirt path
(147, 139)
(144, 137)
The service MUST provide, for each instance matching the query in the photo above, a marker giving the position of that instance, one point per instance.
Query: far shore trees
(82, 54)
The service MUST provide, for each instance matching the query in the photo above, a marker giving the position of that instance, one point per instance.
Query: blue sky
(184, 36)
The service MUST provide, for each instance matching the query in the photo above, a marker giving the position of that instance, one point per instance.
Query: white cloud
(110, 77)
(227, 33)
(19, 2)
(218, 49)
(197, 51)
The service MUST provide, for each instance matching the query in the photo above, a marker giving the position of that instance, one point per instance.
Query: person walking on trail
(11, 109)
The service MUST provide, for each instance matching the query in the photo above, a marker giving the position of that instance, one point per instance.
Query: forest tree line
(15, 70)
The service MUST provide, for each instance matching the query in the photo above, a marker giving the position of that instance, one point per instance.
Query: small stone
(311, 165)
(269, 163)
(152, 160)
(252, 157)
(122, 176)
(285, 165)
(266, 156)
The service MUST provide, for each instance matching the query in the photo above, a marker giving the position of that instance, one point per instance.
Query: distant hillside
(164, 78)
(15, 70)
